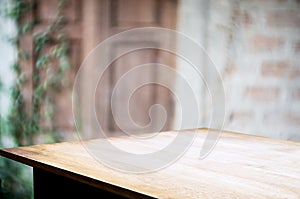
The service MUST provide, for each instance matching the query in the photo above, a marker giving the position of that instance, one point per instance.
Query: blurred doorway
(102, 19)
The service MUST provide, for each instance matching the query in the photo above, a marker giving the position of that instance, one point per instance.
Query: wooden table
(240, 166)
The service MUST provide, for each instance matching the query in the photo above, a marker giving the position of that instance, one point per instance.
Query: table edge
(5, 152)
(74, 176)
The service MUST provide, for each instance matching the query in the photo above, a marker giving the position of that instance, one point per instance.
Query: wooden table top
(240, 166)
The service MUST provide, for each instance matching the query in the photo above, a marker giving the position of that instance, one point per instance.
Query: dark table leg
(49, 185)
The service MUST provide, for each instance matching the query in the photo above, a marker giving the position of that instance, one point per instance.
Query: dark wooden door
(113, 17)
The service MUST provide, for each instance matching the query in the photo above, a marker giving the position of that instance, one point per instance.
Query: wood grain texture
(240, 166)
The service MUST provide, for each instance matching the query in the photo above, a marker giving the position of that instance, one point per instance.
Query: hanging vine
(50, 63)
(50, 47)
(51, 60)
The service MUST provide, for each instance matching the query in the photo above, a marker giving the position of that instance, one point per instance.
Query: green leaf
(40, 40)
(42, 61)
(26, 27)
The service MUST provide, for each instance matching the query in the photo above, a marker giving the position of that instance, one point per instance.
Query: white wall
(192, 23)
(256, 48)
(8, 55)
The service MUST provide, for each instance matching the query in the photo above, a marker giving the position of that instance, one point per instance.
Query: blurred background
(254, 44)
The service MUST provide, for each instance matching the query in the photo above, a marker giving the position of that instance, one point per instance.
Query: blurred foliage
(22, 126)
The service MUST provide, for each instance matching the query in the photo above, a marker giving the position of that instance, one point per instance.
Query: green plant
(51, 61)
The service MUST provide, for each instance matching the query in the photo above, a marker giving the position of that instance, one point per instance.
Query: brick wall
(45, 13)
(259, 60)
(255, 45)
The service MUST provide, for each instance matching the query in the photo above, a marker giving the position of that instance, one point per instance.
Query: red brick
(296, 94)
(47, 10)
(245, 18)
(75, 53)
(275, 68)
(264, 42)
(293, 119)
(266, 1)
(72, 11)
(263, 93)
(283, 18)
(231, 68)
(73, 30)
(63, 116)
(294, 73)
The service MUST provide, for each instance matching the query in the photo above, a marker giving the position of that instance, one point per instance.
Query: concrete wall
(192, 23)
(262, 76)
(256, 47)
